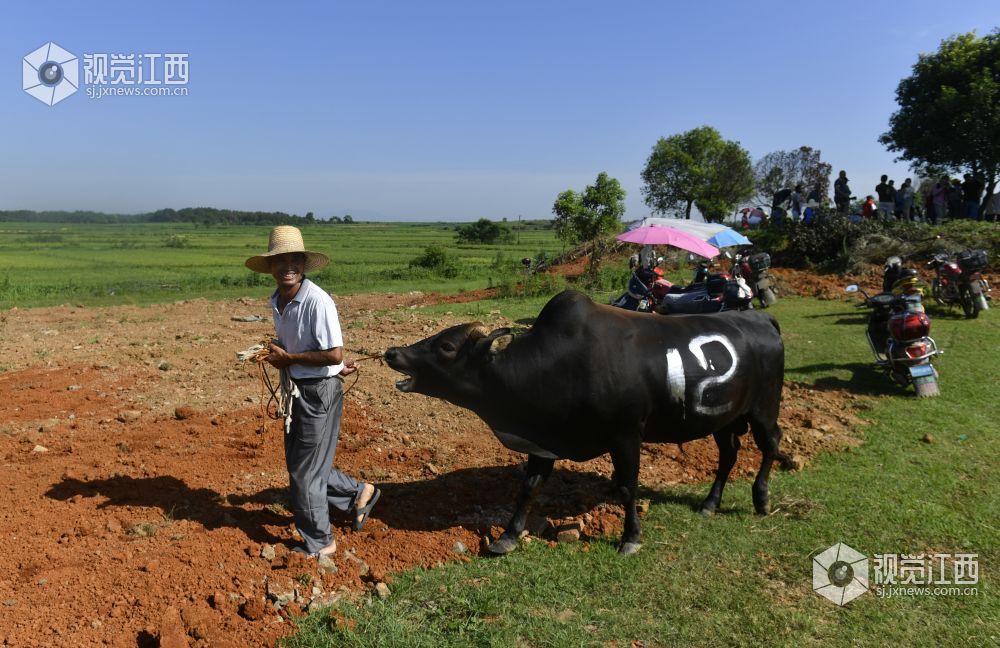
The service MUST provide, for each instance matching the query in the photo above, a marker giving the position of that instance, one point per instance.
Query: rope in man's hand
(258, 354)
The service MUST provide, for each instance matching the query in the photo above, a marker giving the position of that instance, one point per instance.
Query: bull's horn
(478, 330)
(500, 343)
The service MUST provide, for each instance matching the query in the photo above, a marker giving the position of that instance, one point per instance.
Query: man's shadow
(176, 500)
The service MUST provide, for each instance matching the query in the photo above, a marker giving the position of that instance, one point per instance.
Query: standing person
(869, 209)
(939, 200)
(796, 199)
(894, 212)
(886, 198)
(309, 351)
(814, 196)
(991, 212)
(956, 203)
(842, 193)
(904, 199)
(972, 192)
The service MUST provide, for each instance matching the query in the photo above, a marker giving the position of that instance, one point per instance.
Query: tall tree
(785, 169)
(697, 168)
(590, 216)
(948, 116)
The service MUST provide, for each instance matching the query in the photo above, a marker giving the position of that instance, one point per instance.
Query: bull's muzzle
(394, 357)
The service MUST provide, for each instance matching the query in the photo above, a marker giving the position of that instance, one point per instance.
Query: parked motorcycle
(717, 293)
(644, 289)
(900, 280)
(754, 269)
(960, 281)
(898, 334)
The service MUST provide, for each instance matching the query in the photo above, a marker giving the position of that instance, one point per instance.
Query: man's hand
(278, 357)
(349, 368)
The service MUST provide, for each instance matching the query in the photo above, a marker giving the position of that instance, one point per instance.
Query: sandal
(366, 510)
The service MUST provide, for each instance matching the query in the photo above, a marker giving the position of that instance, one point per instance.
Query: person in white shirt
(310, 348)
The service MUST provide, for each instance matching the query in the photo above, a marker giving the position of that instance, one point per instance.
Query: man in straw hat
(310, 348)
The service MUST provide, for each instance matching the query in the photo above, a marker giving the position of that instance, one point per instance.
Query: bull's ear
(500, 343)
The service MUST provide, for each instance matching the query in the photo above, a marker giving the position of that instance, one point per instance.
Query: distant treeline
(201, 215)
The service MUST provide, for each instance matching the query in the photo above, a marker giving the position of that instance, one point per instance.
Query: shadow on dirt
(474, 498)
(481, 498)
(175, 499)
(865, 379)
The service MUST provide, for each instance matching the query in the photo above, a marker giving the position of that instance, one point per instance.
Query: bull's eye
(447, 349)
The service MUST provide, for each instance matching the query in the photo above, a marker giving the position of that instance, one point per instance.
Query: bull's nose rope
(357, 374)
(282, 394)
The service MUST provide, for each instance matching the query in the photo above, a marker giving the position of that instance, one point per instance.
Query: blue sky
(449, 110)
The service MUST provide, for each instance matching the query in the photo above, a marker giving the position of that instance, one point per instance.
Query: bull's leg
(538, 470)
(626, 463)
(767, 437)
(728, 440)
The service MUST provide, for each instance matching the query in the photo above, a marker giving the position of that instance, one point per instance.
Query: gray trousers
(310, 447)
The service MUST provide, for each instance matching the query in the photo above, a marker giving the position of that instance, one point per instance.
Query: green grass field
(50, 263)
(738, 579)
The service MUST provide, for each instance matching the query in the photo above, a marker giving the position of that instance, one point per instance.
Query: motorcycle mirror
(853, 288)
(690, 257)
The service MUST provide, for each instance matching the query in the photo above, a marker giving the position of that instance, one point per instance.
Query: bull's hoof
(763, 509)
(502, 545)
(707, 509)
(629, 548)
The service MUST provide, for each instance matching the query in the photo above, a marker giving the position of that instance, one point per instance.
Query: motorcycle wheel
(767, 298)
(969, 303)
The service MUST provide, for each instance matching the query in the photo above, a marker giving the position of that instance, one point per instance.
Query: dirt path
(143, 505)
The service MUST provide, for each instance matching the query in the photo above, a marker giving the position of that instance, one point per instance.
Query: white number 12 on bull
(677, 378)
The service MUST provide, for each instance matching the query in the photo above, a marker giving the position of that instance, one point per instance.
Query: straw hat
(285, 239)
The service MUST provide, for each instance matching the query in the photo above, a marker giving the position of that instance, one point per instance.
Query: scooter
(639, 292)
(898, 334)
(961, 281)
(754, 268)
(717, 293)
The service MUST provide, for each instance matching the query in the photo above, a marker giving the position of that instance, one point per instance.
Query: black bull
(588, 379)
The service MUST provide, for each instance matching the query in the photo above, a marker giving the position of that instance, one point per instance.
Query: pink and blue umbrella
(656, 235)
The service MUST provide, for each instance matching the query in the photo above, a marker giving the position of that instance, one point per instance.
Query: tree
(590, 216)
(785, 169)
(347, 219)
(948, 117)
(697, 168)
(484, 231)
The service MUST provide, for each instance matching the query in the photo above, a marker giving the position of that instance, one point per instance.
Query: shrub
(484, 231)
(437, 260)
(176, 241)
